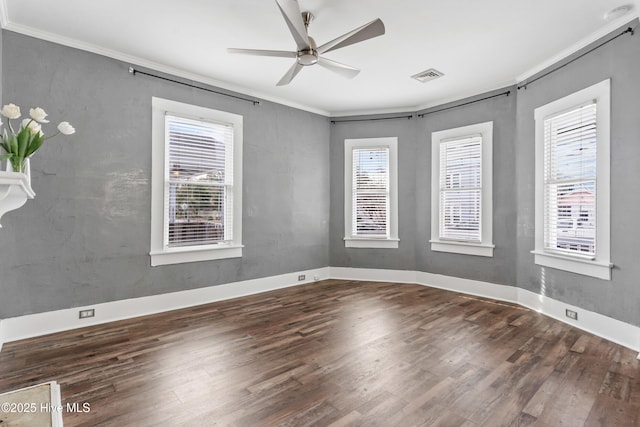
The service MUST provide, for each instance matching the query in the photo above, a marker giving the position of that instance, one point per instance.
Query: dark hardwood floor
(336, 353)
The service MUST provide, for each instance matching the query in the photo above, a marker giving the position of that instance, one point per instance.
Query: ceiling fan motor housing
(308, 56)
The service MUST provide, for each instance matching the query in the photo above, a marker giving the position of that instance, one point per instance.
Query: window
(196, 194)
(572, 183)
(371, 193)
(460, 189)
(461, 217)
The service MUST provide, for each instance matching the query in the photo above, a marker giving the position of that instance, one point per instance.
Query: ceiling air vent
(427, 75)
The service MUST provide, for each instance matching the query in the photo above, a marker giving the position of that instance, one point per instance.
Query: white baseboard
(372, 274)
(603, 326)
(33, 325)
(467, 286)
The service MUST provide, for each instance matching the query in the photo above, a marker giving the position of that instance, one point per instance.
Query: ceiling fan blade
(259, 52)
(342, 69)
(368, 31)
(293, 71)
(293, 17)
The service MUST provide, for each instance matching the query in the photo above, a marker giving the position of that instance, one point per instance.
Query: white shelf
(15, 189)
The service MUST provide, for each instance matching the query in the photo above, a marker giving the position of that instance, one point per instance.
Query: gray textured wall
(501, 268)
(84, 239)
(620, 297)
(414, 165)
(402, 258)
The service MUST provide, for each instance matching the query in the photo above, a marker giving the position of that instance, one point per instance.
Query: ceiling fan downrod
(308, 56)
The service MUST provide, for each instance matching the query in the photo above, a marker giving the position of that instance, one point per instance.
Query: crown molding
(4, 14)
(466, 95)
(352, 113)
(141, 62)
(415, 109)
(581, 44)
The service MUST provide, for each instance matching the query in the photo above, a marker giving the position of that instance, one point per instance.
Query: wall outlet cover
(83, 314)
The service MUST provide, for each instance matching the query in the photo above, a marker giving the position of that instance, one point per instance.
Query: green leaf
(13, 144)
(36, 142)
(23, 141)
(7, 156)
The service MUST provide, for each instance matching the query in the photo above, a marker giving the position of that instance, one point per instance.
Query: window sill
(354, 242)
(183, 255)
(593, 268)
(477, 249)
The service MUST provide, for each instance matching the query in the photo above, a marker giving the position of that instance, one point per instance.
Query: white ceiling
(478, 45)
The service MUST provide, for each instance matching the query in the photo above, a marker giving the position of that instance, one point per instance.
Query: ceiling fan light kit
(307, 52)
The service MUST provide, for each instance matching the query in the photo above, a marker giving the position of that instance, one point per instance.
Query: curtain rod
(134, 72)
(507, 93)
(628, 30)
(371, 120)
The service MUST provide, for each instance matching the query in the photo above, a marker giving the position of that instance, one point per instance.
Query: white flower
(65, 128)
(10, 111)
(32, 125)
(38, 114)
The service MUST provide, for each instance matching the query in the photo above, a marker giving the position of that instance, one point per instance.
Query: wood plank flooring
(335, 353)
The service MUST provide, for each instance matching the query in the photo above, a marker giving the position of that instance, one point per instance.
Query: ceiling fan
(307, 52)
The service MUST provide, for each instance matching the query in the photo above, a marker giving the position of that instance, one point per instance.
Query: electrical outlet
(571, 314)
(83, 314)
(316, 278)
(301, 277)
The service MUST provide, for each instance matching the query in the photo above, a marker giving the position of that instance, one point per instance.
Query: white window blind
(198, 183)
(371, 202)
(570, 181)
(461, 189)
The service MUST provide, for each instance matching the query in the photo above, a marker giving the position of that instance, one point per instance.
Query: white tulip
(65, 128)
(33, 126)
(10, 111)
(38, 114)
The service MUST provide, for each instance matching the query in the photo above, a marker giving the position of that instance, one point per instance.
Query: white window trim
(161, 255)
(600, 266)
(351, 241)
(485, 246)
